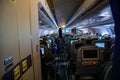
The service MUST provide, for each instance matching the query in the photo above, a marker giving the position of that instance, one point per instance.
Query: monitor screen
(99, 37)
(90, 54)
(42, 50)
(72, 41)
(78, 46)
(100, 45)
(67, 31)
(50, 40)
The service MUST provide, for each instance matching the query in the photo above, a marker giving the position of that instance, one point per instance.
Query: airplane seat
(105, 47)
(70, 43)
(106, 72)
(89, 41)
(68, 48)
(107, 38)
(88, 61)
(43, 51)
(109, 55)
(47, 63)
(107, 67)
(74, 49)
(46, 53)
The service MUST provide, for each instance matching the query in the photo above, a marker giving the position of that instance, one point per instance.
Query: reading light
(94, 63)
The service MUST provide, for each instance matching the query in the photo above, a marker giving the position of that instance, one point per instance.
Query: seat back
(74, 49)
(88, 60)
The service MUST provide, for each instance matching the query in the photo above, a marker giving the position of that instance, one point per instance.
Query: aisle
(62, 69)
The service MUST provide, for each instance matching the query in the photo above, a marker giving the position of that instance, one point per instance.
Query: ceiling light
(63, 26)
(40, 21)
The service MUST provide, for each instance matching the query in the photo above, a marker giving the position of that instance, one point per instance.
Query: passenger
(44, 42)
(55, 49)
(60, 44)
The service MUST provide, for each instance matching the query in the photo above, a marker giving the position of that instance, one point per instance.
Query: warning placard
(24, 65)
(16, 72)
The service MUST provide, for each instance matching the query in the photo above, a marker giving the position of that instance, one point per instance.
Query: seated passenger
(44, 42)
(54, 49)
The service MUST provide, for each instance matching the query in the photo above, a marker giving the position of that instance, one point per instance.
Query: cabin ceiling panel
(64, 10)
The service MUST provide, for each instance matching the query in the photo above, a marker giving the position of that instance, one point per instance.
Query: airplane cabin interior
(59, 40)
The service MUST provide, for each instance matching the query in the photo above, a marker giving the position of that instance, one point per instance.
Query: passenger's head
(44, 39)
